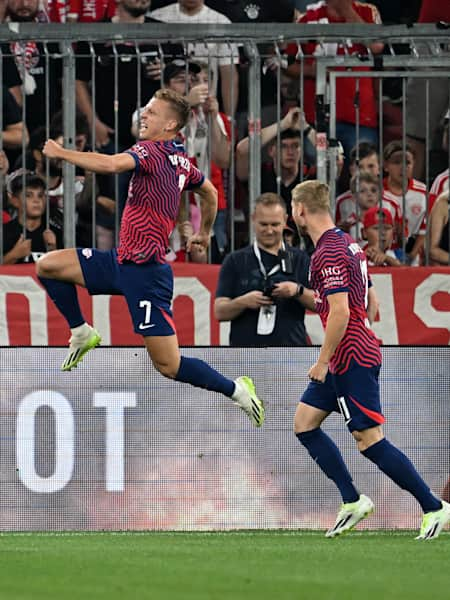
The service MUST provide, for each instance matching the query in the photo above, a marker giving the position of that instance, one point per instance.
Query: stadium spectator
(178, 241)
(4, 168)
(218, 56)
(81, 11)
(351, 209)
(103, 236)
(31, 65)
(439, 231)
(145, 65)
(4, 164)
(440, 184)
(205, 124)
(89, 11)
(363, 157)
(14, 132)
(432, 11)
(395, 13)
(290, 161)
(262, 287)
(378, 230)
(341, 11)
(56, 10)
(407, 197)
(27, 236)
(257, 11)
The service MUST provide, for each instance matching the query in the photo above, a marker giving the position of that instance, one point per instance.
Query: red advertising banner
(414, 309)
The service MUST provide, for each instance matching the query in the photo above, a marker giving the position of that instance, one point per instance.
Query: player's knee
(305, 419)
(367, 437)
(300, 427)
(44, 266)
(166, 369)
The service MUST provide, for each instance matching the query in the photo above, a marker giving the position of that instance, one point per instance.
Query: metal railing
(430, 63)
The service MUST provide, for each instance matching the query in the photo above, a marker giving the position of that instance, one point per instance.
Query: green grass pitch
(257, 565)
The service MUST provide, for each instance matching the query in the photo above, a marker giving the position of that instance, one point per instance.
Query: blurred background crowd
(391, 136)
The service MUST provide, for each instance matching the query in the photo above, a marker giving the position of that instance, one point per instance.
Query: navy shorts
(355, 394)
(148, 288)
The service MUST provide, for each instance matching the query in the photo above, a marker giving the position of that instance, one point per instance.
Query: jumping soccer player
(137, 269)
(345, 376)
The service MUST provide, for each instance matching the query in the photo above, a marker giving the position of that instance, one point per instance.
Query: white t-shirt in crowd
(218, 54)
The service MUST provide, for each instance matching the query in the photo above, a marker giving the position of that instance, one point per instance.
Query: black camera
(268, 288)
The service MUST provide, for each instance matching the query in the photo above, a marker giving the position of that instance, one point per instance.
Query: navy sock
(400, 469)
(326, 454)
(65, 297)
(198, 373)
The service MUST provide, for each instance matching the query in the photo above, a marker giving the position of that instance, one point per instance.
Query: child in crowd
(363, 157)
(379, 232)
(27, 245)
(407, 198)
(351, 210)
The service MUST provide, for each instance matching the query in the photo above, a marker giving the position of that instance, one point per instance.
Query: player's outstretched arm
(91, 161)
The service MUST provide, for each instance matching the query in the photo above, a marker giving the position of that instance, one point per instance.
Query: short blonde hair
(177, 103)
(314, 194)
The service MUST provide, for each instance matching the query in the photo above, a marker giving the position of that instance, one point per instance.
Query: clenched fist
(52, 149)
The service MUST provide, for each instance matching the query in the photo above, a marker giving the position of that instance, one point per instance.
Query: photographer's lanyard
(262, 268)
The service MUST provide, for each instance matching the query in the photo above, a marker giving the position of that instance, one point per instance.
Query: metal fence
(416, 53)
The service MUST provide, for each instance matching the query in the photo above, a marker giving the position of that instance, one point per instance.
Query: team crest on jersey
(252, 11)
(141, 151)
(87, 252)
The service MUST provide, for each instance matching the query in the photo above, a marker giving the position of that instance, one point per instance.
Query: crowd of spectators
(385, 193)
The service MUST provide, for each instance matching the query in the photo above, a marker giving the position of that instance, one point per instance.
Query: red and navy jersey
(163, 172)
(339, 265)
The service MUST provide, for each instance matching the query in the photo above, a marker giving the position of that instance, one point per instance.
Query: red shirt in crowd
(345, 87)
(83, 11)
(433, 11)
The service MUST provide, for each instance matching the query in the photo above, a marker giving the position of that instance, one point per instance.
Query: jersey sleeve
(302, 270)
(143, 158)
(194, 179)
(334, 272)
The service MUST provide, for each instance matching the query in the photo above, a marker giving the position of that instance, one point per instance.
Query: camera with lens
(268, 288)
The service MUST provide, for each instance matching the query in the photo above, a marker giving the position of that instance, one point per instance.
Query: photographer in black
(262, 287)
